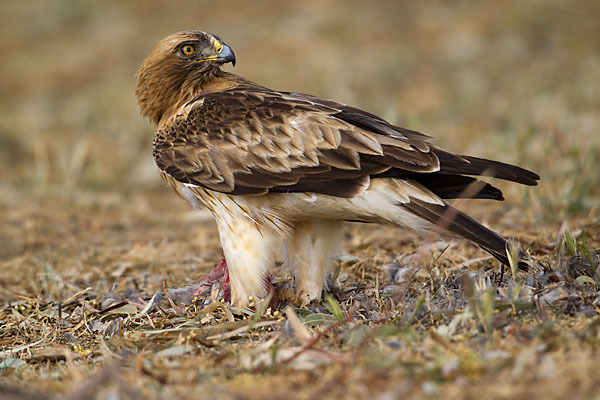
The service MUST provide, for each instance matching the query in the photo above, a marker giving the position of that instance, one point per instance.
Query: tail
(451, 219)
(455, 179)
(467, 165)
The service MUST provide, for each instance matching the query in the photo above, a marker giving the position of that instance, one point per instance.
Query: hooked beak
(223, 56)
(226, 55)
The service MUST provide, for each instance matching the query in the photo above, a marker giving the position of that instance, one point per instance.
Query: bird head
(180, 65)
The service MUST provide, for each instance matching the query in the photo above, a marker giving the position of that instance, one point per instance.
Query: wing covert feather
(252, 140)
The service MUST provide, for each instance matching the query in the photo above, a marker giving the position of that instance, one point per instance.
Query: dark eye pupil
(188, 50)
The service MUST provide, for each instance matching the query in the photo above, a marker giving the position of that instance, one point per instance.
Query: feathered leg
(249, 251)
(311, 249)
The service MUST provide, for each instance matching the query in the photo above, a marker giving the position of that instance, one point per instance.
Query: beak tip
(228, 55)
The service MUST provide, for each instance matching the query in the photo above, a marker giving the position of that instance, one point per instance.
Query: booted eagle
(281, 171)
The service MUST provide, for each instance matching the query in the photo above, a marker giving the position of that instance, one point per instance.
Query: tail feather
(458, 187)
(453, 220)
(468, 165)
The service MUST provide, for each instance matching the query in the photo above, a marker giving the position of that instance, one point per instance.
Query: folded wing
(251, 141)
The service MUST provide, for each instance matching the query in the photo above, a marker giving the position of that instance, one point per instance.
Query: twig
(316, 339)
(14, 350)
(238, 331)
(75, 296)
(113, 307)
(177, 309)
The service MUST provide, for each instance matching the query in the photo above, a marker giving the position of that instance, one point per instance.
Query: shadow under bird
(281, 171)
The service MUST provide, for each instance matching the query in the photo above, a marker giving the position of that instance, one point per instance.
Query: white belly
(280, 211)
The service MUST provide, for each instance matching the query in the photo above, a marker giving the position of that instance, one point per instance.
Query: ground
(108, 286)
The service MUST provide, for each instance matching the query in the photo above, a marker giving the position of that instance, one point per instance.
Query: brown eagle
(281, 171)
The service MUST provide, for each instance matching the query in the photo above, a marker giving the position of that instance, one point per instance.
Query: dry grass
(90, 234)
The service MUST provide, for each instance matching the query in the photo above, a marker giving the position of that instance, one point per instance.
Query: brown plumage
(282, 170)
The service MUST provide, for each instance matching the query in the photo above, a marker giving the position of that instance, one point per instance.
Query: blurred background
(514, 81)
(84, 216)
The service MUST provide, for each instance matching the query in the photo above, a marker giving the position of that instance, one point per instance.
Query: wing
(253, 140)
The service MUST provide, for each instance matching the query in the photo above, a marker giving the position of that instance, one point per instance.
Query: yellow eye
(187, 50)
